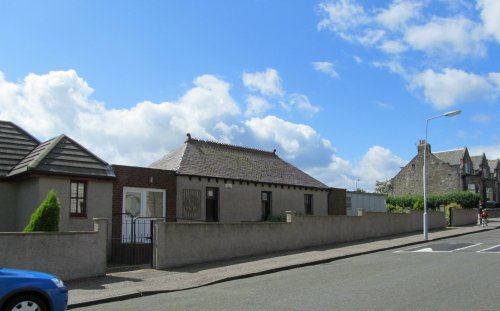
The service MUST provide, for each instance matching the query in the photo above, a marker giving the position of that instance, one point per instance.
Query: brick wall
(142, 177)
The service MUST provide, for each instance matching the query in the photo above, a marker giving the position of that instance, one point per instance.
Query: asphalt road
(454, 274)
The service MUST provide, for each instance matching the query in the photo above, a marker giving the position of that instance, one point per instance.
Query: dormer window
(486, 172)
(467, 168)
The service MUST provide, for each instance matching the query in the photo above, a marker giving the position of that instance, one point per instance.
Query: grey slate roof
(62, 156)
(15, 144)
(452, 157)
(476, 162)
(211, 159)
(493, 164)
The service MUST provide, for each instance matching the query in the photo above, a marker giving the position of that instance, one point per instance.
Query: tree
(384, 187)
(46, 216)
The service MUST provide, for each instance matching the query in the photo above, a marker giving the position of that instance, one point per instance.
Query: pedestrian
(479, 211)
(484, 218)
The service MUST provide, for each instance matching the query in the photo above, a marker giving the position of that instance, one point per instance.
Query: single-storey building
(227, 183)
(29, 169)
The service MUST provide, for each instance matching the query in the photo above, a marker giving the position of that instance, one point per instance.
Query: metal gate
(131, 240)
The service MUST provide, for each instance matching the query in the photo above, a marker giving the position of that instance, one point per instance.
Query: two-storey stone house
(449, 171)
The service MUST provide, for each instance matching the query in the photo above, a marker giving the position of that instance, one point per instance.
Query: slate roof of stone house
(452, 157)
(493, 164)
(211, 159)
(477, 161)
(62, 156)
(15, 144)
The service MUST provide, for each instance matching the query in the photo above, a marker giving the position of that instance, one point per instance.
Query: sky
(342, 89)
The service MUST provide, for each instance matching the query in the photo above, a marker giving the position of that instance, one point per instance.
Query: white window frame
(144, 192)
(472, 190)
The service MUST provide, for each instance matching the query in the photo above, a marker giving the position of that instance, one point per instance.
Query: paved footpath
(137, 283)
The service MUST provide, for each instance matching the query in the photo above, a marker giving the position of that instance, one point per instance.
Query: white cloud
(60, 102)
(327, 68)
(404, 26)
(490, 15)
(492, 152)
(378, 164)
(399, 13)
(228, 132)
(267, 82)
(288, 135)
(357, 59)
(451, 86)
(300, 102)
(457, 35)
(483, 118)
(393, 47)
(256, 106)
(342, 15)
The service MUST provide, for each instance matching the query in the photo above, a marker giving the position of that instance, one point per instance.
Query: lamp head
(452, 113)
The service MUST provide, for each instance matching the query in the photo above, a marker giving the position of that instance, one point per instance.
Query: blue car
(30, 290)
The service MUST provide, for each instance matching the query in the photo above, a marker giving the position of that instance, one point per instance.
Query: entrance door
(212, 204)
(266, 204)
(139, 206)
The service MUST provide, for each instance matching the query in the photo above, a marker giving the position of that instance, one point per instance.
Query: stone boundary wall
(493, 212)
(180, 244)
(462, 217)
(69, 255)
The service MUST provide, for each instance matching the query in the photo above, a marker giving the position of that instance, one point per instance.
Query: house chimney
(421, 146)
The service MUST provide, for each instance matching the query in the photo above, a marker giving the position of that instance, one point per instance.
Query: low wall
(69, 255)
(179, 244)
(462, 217)
(493, 212)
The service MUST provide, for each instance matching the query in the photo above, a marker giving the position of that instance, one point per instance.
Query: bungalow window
(308, 204)
(78, 199)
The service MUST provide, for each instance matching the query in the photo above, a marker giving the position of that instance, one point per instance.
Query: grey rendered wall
(242, 202)
(27, 201)
(32, 192)
(461, 217)
(369, 202)
(179, 244)
(8, 204)
(69, 255)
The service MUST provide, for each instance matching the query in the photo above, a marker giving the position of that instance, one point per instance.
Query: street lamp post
(448, 114)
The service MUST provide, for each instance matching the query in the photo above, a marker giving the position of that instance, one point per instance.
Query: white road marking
(486, 250)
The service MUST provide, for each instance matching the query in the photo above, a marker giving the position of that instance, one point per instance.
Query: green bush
(465, 199)
(395, 209)
(447, 213)
(46, 216)
(418, 205)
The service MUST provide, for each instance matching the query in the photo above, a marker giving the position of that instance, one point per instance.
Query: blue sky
(342, 89)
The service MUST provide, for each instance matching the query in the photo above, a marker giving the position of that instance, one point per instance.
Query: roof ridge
(458, 149)
(45, 152)
(232, 147)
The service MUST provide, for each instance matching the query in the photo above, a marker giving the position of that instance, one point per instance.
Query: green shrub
(418, 205)
(465, 199)
(395, 209)
(447, 213)
(46, 216)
